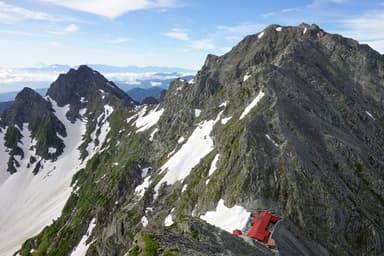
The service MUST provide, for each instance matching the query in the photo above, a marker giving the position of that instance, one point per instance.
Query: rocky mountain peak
(27, 104)
(85, 88)
(30, 111)
(79, 85)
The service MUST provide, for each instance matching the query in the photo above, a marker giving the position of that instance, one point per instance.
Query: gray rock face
(310, 150)
(323, 109)
(29, 107)
(77, 87)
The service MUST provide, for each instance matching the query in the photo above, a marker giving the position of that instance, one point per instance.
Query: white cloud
(112, 8)
(71, 28)
(12, 13)
(269, 14)
(155, 83)
(203, 44)
(177, 33)
(367, 28)
(118, 40)
(292, 9)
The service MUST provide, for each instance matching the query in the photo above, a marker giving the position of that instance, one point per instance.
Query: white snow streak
(146, 120)
(52, 150)
(153, 134)
(144, 221)
(227, 218)
(140, 189)
(82, 247)
(271, 140)
(278, 29)
(28, 202)
(370, 115)
(260, 35)
(168, 221)
(198, 145)
(224, 104)
(246, 77)
(305, 30)
(197, 112)
(213, 167)
(252, 105)
(104, 127)
(225, 120)
(181, 140)
(144, 171)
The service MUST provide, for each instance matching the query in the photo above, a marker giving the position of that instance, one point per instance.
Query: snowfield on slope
(82, 247)
(198, 145)
(252, 104)
(226, 218)
(146, 120)
(29, 202)
(104, 127)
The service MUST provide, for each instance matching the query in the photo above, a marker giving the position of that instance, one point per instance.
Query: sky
(173, 33)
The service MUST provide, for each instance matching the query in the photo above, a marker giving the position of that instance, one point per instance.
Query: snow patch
(82, 111)
(52, 150)
(83, 100)
(260, 35)
(153, 134)
(198, 145)
(146, 120)
(82, 247)
(168, 221)
(197, 112)
(278, 29)
(246, 77)
(184, 188)
(370, 115)
(271, 140)
(213, 167)
(181, 140)
(140, 189)
(252, 104)
(224, 104)
(104, 127)
(144, 221)
(25, 212)
(225, 120)
(227, 218)
(305, 30)
(144, 171)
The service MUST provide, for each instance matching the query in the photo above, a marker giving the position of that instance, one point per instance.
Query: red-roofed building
(259, 228)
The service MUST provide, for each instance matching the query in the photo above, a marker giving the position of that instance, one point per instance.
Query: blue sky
(163, 32)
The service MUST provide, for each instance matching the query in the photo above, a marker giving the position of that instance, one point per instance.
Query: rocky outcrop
(32, 109)
(298, 125)
(80, 87)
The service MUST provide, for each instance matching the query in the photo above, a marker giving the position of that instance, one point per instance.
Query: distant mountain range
(15, 79)
(146, 88)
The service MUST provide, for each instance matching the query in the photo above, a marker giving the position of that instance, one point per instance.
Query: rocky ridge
(293, 117)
